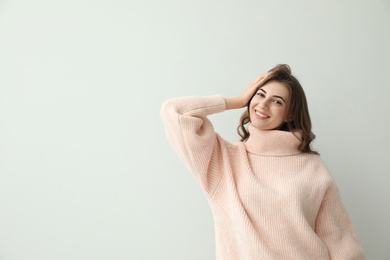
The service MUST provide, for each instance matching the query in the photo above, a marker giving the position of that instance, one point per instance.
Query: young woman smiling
(271, 195)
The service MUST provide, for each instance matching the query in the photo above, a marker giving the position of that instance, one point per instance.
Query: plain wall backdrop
(86, 171)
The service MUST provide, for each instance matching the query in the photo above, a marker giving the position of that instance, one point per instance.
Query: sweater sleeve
(334, 227)
(192, 136)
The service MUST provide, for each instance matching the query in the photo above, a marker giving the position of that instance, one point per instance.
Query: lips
(264, 115)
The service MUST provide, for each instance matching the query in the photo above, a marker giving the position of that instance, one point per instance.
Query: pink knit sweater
(269, 200)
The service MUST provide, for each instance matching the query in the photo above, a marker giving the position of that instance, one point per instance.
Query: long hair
(297, 109)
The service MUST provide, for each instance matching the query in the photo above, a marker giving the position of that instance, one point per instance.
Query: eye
(260, 94)
(278, 102)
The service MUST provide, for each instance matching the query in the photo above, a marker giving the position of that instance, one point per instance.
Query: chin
(267, 127)
(262, 127)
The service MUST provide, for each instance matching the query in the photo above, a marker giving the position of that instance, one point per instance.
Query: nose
(264, 104)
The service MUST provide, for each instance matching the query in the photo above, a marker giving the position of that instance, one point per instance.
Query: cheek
(282, 112)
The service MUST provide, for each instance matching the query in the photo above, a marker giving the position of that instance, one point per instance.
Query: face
(271, 102)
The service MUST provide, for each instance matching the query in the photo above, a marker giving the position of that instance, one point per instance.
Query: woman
(272, 197)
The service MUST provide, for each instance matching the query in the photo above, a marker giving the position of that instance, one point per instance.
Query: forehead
(276, 88)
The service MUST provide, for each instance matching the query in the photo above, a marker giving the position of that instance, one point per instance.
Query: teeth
(264, 116)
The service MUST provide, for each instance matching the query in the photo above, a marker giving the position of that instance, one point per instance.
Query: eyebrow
(274, 95)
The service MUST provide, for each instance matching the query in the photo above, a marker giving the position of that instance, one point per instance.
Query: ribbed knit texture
(269, 200)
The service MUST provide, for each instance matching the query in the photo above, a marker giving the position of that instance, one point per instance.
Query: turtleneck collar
(272, 142)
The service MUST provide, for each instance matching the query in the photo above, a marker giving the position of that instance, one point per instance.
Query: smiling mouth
(261, 114)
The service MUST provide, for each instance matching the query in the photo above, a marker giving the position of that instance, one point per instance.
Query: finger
(262, 76)
(266, 75)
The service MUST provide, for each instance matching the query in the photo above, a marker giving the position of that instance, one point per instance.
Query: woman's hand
(243, 99)
(250, 90)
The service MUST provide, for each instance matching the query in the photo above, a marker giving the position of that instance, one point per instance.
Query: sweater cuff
(207, 105)
(195, 105)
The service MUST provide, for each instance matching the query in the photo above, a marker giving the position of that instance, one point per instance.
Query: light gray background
(86, 171)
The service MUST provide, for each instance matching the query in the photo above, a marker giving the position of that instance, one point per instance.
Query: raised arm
(192, 136)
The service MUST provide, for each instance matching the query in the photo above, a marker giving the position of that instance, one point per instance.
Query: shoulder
(316, 162)
(324, 175)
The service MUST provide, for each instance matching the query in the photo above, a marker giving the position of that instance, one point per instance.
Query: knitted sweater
(269, 200)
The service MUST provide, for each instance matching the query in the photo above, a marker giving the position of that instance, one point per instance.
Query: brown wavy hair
(297, 109)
